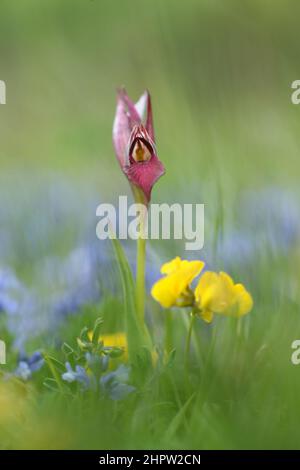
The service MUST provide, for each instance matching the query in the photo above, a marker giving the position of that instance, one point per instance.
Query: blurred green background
(220, 77)
(219, 72)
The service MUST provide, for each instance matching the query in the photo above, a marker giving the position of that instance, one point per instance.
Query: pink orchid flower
(134, 143)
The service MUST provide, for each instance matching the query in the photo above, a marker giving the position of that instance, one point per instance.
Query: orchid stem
(141, 262)
(140, 279)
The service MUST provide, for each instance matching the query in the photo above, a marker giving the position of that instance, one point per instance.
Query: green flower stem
(141, 259)
(168, 332)
(54, 372)
(140, 278)
(188, 343)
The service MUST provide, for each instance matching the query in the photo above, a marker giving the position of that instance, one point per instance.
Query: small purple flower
(28, 365)
(114, 384)
(9, 290)
(78, 375)
(23, 371)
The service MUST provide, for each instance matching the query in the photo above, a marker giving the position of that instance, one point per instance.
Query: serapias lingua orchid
(134, 143)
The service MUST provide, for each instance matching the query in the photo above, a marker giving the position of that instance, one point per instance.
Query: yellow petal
(114, 340)
(240, 301)
(228, 281)
(207, 316)
(212, 292)
(168, 290)
(165, 291)
(171, 266)
(243, 300)
(218, 293)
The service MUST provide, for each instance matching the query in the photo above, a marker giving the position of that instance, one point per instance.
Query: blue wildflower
(28, 365)
(114, 384)
(274, 212)
(9, 288)
(78, 375)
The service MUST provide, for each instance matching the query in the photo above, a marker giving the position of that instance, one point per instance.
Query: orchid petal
(149, 120)
(121, 132)
(141, 105)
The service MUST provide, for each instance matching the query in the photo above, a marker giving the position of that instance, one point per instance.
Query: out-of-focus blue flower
(114, 384)
(273, 214)
(20, 306)
(78, 375)
(28, 365)
(35, 361)
(24, 321)
(267, 222)
(23, 371)
(87, 273)
(33, 225)
(8, 280)
(9, 290)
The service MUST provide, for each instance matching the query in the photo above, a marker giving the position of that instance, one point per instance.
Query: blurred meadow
(220, 77)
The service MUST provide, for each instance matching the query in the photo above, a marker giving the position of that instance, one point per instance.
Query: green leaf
(67, 350)
(170, 358)
(176, 422)
(84, 334)
(54, 366)
(114, 352)
(96, 331)
(136, 338)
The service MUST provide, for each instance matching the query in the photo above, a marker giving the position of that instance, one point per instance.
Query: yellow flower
(174, 289)
(217, 293)
(171, 266)
(241, 300)
(119, 340)
(114, 340)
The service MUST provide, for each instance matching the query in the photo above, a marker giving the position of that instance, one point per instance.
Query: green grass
(220, 76)
(242, 393)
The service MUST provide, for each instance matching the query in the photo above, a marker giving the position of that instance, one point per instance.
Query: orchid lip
(140, 151)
